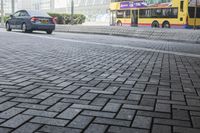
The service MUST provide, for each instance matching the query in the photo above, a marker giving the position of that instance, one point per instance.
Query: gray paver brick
(112, 107)
(77, 101)
(90, 107)
(142, 122)
(154, 114)
(64, 84)
(27, 128)
(163, 108)
(66, 96)
(6, 105)
(185, 130)
(49, 121)
(43, 95)
(112, 122)
(50, 101)
(16, 121)
(26, 100)
(88, 96)
(117, 129)
(55, 129)
(58, 107)
(80, 122)
(5, 130)
(161, 129)
(96, 128)
(69, 113)
(180, 114)
(3, 99)
(172, 122)
(98, 113)
(126, 114)
(196, 122)
(32, 106)
(99, 101)
(11, 112)
(139, 107)
(40, 113)
(136, 97)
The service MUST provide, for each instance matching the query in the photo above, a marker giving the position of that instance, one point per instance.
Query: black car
(28, 21)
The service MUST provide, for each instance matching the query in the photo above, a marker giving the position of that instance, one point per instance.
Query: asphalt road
(71, 83)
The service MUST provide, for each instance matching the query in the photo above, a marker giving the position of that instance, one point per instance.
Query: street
(72, 83)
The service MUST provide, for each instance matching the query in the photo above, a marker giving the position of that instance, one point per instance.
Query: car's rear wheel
(8, 27)
(49, 31)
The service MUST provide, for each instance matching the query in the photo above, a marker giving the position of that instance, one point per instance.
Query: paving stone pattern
(58, 87)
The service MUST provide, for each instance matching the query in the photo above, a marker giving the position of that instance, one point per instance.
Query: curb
(174, 35)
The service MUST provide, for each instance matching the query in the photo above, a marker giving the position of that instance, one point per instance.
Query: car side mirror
(11, 16)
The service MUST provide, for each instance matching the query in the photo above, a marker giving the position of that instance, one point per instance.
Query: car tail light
(34, 19)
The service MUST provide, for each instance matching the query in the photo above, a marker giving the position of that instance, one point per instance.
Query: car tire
(8, 27)
(29, 31)
(49, 31)
(24, 28)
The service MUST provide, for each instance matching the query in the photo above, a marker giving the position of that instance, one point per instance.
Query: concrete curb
(177, 35)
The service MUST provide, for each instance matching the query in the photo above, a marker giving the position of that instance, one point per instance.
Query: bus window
(159, 13)
(191, 11)
(123, 14)
(181, 6)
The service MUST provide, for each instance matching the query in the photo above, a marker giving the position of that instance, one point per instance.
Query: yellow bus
(176, 14)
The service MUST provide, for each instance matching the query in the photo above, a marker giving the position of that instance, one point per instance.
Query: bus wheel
(166, 24)
(119, 23)
(155, 24)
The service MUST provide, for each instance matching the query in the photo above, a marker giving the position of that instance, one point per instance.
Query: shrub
(5, 18)
(66, 18)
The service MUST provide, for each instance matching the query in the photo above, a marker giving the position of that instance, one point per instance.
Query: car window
(16, 14)
(23, 13)
(38, 13)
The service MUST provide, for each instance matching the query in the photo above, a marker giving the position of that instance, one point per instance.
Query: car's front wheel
(8, 27)
(49, 31)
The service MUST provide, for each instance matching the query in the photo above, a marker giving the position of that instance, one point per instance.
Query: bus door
(113, 18)
(134, 18)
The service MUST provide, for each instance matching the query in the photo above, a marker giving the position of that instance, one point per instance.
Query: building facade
(94, 10)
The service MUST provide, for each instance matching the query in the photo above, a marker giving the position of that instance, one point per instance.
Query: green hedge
(5, 18)
(66, 18)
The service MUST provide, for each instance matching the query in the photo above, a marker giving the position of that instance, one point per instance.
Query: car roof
(34, 13)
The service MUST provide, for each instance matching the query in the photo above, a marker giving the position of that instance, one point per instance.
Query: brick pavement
(55, 87)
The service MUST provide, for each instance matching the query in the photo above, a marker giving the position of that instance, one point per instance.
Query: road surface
(71, 83)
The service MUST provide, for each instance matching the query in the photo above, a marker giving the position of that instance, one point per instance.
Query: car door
(21, 19)
(13, 20)
(18, 20)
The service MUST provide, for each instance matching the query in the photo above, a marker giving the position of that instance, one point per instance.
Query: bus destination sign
(134, 4)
